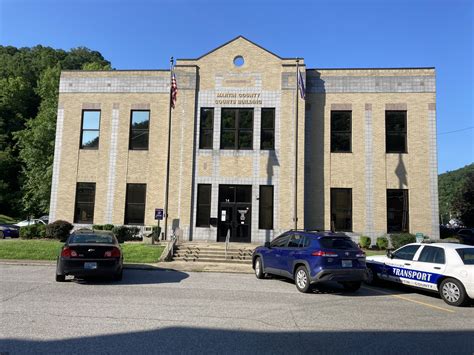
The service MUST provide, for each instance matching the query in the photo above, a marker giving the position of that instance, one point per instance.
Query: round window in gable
(239, 61)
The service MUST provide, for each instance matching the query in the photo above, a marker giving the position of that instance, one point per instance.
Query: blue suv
(309, 257)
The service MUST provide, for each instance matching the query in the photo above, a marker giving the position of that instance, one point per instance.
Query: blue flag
(301, 85)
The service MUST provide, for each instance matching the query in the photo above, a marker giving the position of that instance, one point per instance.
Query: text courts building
(366, 147)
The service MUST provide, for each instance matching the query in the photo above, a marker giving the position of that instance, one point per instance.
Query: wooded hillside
(29, 80)
(456, 194)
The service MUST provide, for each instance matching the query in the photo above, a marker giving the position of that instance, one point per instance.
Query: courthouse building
(362, 158)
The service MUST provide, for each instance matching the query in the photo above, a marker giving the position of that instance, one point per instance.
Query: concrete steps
(214, 253)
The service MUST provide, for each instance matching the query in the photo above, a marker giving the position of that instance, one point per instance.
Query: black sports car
(466, 236)
(90, 253)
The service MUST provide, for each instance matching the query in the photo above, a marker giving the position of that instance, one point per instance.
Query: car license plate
(90, 266)
(346, 263)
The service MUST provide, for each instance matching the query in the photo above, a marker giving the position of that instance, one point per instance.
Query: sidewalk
(172, 265)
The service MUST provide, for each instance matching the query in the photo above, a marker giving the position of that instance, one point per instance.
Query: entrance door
(235, 213)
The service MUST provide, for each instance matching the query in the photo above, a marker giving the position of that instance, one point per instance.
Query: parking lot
(170, 311)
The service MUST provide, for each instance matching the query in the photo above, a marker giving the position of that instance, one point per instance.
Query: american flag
(301, 85)
(174, 90)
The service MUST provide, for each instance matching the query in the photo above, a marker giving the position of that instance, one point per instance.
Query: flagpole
(169, 152)
(295, 212)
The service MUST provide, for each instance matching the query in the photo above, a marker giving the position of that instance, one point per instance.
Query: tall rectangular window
(139, 129)
(203, 205)
(85, 200)
(236, 128)
(206, 128)
(396, 131)
(265, 212)
(397, 211)
(135, 204)
(341, 209)
(341, 131)
(90, 129)
(267, 133)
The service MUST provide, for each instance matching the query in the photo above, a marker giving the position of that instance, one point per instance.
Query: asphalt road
(174, 312)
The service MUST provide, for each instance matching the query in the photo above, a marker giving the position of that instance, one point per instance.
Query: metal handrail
(168, 253)
(173, 242)
(227, 240)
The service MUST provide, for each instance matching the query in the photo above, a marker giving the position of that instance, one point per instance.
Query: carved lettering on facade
(232, 98)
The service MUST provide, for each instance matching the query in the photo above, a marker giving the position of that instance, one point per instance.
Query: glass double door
(235, 213)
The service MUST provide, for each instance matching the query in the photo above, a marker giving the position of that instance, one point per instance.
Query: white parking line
(410, 300)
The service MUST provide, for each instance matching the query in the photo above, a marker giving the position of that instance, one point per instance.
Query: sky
(144, 34)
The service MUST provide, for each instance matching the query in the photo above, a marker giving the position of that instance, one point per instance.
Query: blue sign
(159, 214)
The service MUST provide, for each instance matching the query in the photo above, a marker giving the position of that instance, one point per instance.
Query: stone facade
(263, 81)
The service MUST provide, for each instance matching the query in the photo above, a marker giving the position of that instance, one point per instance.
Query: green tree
(463, 202)
(36, 144)
(96, 66)
(77, 57)
(15, 96)
(28, 98)
(449, 188)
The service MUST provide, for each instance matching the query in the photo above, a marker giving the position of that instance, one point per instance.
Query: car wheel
(371, 277)
(2, 235)
(118, 276)
(60, 278)
(453, 293)
(302, 279)
(259, 268)
(351, 286)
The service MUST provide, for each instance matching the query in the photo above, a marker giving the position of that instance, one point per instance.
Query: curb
(185, 267)
(53, 263)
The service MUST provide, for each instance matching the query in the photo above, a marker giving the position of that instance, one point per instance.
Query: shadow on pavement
(396, 288)
(331, 287)
(205, 340)
(137, 277)
(384, 287)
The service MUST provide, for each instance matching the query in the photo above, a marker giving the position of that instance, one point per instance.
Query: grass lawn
(141, 253)
(49, 249)
(7, 220)
(374, 252)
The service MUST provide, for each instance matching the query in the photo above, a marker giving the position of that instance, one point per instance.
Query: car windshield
(91, 238)
(337, 243)
(467, 255)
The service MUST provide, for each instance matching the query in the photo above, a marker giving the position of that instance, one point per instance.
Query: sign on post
(419, 237)
(159, 214)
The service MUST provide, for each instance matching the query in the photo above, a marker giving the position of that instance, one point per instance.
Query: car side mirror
(267, 245)
(389, 254)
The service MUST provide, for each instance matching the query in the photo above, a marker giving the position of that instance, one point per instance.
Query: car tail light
(114, 253)
(68, 253)
(324, 253)
(360, 254)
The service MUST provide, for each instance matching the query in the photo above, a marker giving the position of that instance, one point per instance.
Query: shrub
(35, 231)
(382, 242)
(399, 240)
(365, 242)
(124, 233)
(108, 227)
(103, 227)
(59, 230)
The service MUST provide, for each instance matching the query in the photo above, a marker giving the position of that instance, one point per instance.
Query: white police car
(441, 267)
